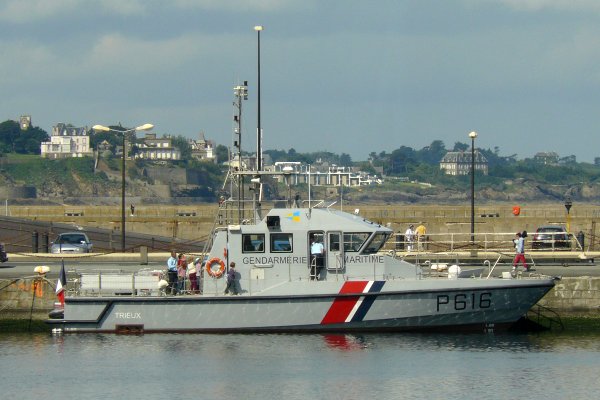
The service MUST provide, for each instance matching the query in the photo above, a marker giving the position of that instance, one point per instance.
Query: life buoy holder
(219, 272)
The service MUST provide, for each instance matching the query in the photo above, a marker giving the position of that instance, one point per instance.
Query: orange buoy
(219, 272)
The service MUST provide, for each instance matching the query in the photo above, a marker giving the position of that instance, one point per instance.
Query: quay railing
(493, 242)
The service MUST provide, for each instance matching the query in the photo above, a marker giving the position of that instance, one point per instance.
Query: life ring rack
(218, 273)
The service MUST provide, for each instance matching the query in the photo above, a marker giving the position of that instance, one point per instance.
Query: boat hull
(478, 305)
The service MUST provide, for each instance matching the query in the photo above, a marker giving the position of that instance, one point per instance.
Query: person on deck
(231, 277)
(181, 272)
(172, 273)
(192, 275)
(317, 251)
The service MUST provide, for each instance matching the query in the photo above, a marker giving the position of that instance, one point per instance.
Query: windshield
(354, 241)
(71, 239)
(377, 242)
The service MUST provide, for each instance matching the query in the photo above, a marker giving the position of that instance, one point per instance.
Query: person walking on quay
(172, 272)
(520, 252)
(409, 237)
(421, 231)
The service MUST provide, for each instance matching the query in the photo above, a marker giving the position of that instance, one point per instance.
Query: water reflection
(302, 366)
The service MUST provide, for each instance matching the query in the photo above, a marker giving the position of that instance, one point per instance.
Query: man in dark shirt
(231, 286)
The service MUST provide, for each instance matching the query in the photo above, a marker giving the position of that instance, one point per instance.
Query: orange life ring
(219, 272)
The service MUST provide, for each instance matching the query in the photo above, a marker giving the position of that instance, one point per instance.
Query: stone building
(153, 148)
(459, 163)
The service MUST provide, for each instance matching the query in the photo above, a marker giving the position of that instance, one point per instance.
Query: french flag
(61, 285)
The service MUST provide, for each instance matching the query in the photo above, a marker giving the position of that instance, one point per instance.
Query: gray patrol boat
(352, 285)
(346, 283)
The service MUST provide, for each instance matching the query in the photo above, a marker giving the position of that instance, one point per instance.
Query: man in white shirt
(316, 257)
(409, 237)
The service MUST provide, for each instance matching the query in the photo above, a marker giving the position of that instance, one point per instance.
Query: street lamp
(473, 135)
(568, 204)
(123, 132)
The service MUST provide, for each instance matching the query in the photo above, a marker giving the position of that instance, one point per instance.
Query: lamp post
(568, 204)
(473, 135)
(123, 132)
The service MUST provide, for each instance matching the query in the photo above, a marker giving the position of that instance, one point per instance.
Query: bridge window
(281, 243)
(253, 243)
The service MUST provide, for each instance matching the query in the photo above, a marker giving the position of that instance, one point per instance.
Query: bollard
(399, 242)
(581, 239)
(144, 255)
(34, 242)
(44, 242)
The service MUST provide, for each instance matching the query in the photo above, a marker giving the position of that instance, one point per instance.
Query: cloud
(539, 5)
(25, 11)
(243, 5)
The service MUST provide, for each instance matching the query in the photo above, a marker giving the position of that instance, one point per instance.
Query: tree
(15, 140)
(9, 132)
(459, 146)
(183, 145)
(433, 153)
(222, 153)
(345, 160)
(402, 160)
(30, 141)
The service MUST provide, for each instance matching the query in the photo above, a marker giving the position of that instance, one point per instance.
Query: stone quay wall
(574, 296)
(190, 221)
(26, 298)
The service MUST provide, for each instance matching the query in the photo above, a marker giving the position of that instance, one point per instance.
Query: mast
(241, 93)
(257, 180)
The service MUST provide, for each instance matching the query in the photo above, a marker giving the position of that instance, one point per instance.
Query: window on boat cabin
(253, 243)
(354, 240)
(281, 242)
(334, 241)
(377, 242)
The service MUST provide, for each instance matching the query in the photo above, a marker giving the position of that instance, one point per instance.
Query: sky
(344, 76)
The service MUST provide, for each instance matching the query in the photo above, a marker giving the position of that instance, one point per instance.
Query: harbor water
(545, 365)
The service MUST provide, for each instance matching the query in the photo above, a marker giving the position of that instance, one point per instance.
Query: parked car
(71, 242)
(3, 256)
(551, 237)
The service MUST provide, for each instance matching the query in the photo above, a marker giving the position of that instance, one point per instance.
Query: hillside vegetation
(410, 175)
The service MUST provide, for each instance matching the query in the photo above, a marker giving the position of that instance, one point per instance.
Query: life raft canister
(218, 273)
(516, 211)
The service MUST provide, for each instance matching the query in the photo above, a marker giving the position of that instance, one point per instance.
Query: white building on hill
(67, 141)
(154, 148)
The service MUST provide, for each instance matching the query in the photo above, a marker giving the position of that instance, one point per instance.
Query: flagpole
(35, 283)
